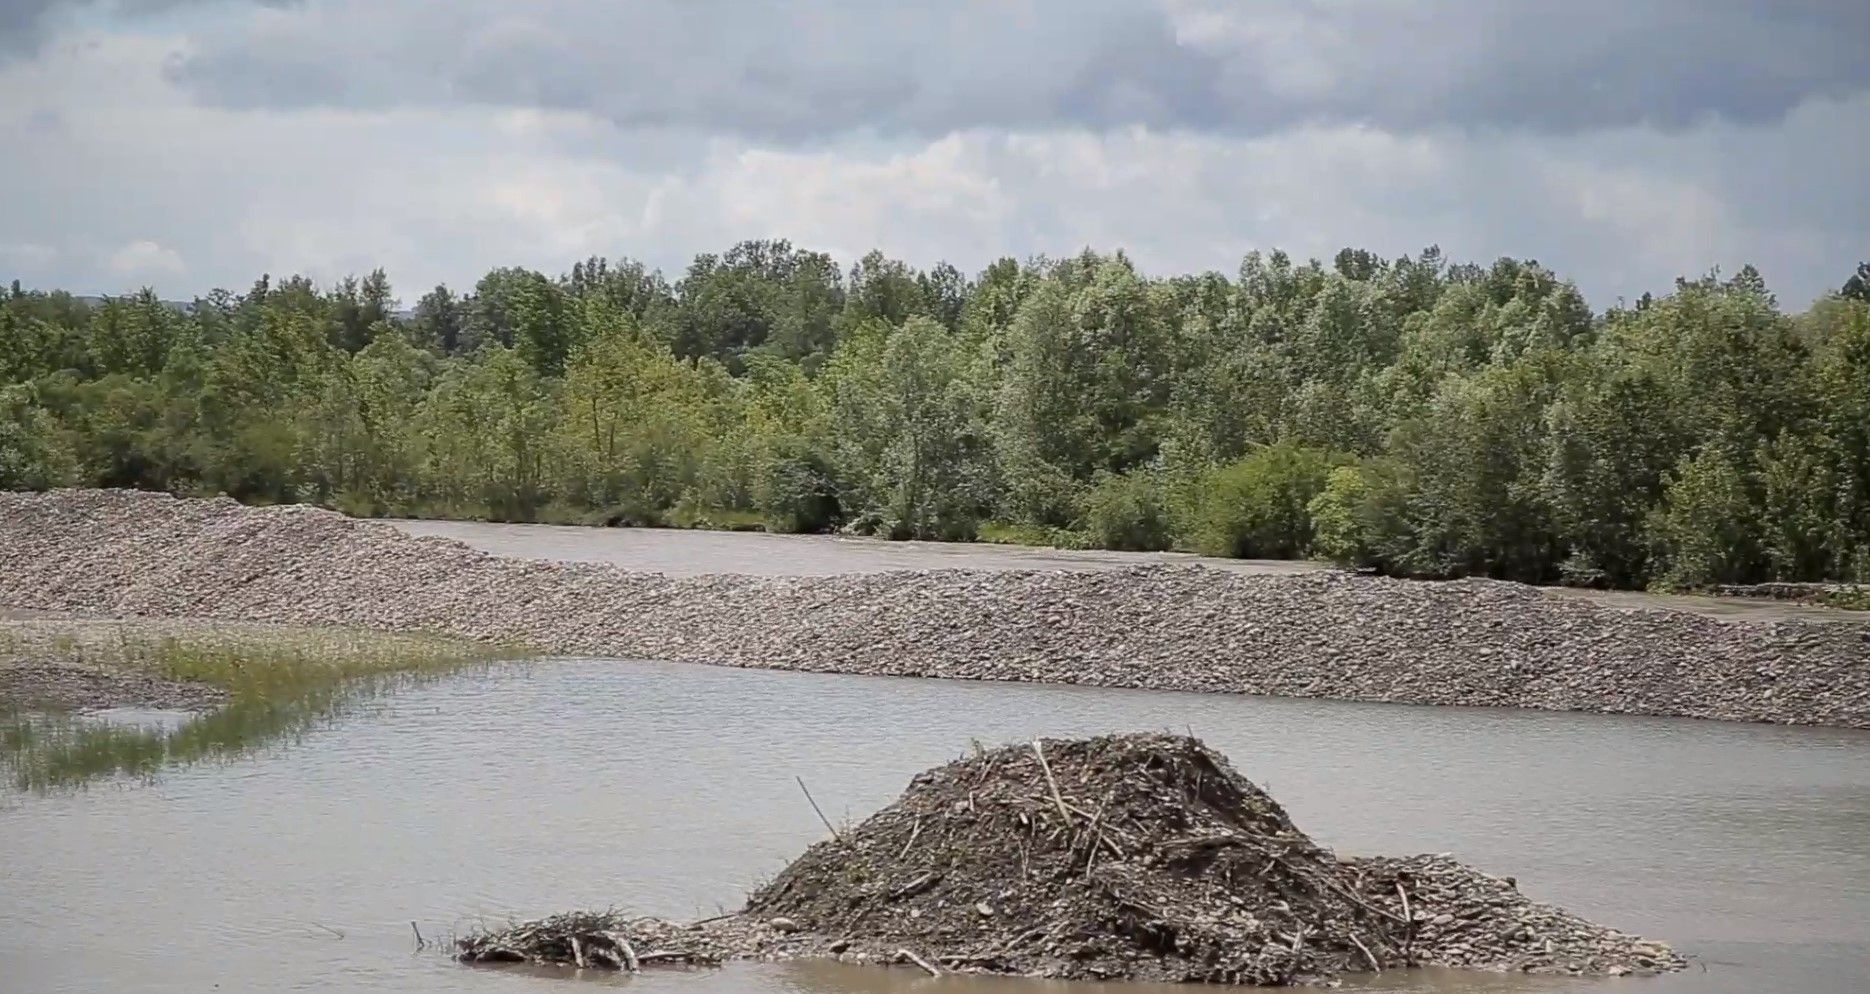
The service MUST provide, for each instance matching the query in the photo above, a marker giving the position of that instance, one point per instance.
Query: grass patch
(724, 519)
(1040, 536)
(281, 684)
(1853, 598)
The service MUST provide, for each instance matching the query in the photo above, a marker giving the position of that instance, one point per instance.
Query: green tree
(911, 445)
(1704, 529)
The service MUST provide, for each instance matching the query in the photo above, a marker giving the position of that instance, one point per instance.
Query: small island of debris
(1134, 857)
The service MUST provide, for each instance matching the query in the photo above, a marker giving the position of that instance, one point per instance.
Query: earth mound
(1140, 857)
(1147, 857)
(1133, 857)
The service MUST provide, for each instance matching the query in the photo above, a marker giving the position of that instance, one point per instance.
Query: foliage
(1259, 506)
(1415, 416)
(1126, 511)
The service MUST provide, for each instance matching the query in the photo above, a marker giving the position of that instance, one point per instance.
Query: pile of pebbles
(1166, 627)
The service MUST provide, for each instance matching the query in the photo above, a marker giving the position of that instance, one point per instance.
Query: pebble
(1168, 627)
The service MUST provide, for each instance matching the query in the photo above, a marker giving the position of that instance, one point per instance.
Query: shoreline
(772, 554)
(1318, 634)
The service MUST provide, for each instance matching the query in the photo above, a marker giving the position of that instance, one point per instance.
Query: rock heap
(1323, 634)
(1134, 857)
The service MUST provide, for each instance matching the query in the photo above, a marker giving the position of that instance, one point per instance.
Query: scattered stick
(1359, 943)
(421, 943)
(630, 961)
(577, 952)
(815, 807)
(913, 834)
(919, 961)
(328, 928)
(1046, 768)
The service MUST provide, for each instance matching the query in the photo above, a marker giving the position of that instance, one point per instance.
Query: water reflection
(49, 750)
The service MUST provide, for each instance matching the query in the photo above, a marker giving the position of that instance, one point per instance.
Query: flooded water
(689, 553)
(668, 789)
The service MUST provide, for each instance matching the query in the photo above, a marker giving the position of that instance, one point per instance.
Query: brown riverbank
(1318, 634)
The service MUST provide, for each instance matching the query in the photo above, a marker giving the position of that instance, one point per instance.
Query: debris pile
(1134, 857)
(599, 940)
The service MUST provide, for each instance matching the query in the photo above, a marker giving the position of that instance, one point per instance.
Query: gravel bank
(70, 664)
(72, 687)
(1325, 634)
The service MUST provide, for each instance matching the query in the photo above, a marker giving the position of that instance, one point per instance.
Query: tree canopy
(1418, 416)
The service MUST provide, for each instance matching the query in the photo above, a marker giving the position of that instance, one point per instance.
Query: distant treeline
(1420, 417)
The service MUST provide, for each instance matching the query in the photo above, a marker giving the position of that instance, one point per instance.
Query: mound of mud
(1135, 857)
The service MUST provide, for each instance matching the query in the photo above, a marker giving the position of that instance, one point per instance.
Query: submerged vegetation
(277, 684)
(1412, 415)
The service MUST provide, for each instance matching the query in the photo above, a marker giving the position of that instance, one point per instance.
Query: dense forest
(1420, 417)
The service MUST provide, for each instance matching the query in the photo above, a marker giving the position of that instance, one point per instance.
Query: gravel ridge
(1165, 627)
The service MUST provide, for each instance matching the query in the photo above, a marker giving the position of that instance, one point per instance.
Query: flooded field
(668, 789)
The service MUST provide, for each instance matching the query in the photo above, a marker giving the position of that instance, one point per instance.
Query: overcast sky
(189, 144)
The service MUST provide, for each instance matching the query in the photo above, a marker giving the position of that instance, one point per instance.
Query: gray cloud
(26, 24)
(811, 71)
(196, 194)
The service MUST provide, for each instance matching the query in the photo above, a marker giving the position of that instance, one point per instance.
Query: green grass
(1854, 598)
(281, 684)
(1008, 533)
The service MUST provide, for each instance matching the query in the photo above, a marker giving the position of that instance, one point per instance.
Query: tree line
(1413, 415)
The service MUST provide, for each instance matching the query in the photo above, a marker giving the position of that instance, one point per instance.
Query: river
(668, 789)
(680, 552)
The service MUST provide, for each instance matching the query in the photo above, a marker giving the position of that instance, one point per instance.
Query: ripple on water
(669, 790)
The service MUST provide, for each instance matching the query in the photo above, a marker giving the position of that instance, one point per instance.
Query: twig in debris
(577, 952)
(630, 962)
(913, 834)
(1409, 919)
(815, 807)
(328, 928)
(919, 961)
(1046, 768)
(421, 943)
(1374, 965)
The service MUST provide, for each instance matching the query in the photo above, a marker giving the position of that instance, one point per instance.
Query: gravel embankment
(1326, 634)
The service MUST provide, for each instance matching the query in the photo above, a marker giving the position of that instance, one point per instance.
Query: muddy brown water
(688, 553)
(668, 789)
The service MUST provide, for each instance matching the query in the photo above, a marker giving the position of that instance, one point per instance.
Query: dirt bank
(1137, 857)
(1326, 634)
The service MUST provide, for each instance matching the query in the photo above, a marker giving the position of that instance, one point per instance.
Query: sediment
(1326, 634)
(78, 665)
(1129, 857)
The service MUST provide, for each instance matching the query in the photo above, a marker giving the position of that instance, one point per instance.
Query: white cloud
(147, 260)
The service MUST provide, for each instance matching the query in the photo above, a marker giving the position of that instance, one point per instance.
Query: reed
(281, 683)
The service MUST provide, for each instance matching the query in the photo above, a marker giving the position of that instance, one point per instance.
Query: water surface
(668, 789)
(692, 553)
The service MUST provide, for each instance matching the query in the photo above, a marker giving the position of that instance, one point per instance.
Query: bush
(1126, 512)
(795, 490)
(1358, 520)
(1258, 507)
(32, 456)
